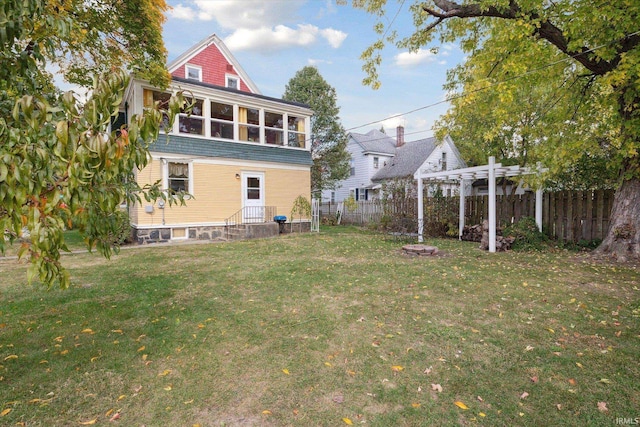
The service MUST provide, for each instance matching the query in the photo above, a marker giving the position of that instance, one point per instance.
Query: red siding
(214, 67)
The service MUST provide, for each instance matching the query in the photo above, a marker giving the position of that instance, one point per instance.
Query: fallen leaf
(579, 365)
(524, 395)
(528, 348)
(89, 423)
(188, 402)
(551, 330)
(115, 416)
(559, 406)
(482, 414)
(164, 373)
(109, 412)
(168, 388)
(572, 381)
(436, 387)
(397, 368)
(347, 421)
(460, 405)
(605, 381)
(141, 349)
(286, 371)
(87, 331)
(480, 399)
(5, 412)
(266, 412)
(415, 405)
(534, 379)
(618, 333)
(602, 407)
(122, 396)
(428, 370)
(13, 356)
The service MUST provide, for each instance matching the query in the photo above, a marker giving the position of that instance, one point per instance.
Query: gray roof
(407, 160)
(375, 141)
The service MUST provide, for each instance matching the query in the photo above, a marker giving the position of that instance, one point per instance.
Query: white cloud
(393, 122)
(410, 59)
(182, 12)
(334, 37)
(313, 61)
(258, 24)
(281, 36)
(232, 14)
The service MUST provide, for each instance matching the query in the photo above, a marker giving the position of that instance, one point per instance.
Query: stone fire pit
(421, 250)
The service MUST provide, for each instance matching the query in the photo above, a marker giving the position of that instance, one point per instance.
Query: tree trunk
(622, 241)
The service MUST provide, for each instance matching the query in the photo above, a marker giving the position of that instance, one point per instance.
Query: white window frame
(376, 162)
(197, 68)
(165, 173)
(228, 78)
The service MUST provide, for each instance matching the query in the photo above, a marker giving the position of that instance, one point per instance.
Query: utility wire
(464, 94)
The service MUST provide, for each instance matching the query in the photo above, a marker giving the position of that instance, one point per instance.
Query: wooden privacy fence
(568, 216)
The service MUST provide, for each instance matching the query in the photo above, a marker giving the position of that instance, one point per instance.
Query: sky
(273, 39)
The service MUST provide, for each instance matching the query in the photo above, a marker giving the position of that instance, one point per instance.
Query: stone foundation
(219, 233)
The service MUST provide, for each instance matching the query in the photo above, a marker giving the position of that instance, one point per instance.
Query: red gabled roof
(216, 62)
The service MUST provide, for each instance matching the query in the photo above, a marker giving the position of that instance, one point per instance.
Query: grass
(322, 330)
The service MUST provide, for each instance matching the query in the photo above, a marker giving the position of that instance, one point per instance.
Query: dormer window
(233, 82)
(193, 72)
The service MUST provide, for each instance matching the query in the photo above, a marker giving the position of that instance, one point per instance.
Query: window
(151, 98)
(193, 123)
(193, 72)
(273, 128)
(352, 168)
(177, 177)
(221, 120)
(233, 82)
(249, 124)
(444, 161)
(296, 132)
(362, 194)
(376, 162)
(333, 197)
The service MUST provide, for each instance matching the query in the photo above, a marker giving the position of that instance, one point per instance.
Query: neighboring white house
(376, 157)
(370, 152)
(427, 154)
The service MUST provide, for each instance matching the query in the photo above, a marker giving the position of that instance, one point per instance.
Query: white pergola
(490, 172)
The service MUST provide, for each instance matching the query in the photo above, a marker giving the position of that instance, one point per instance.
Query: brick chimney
(399, 136)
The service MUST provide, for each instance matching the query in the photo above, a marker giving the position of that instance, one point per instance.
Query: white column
(492, 204)
(461, 221)
(420, 209)
(539, 208)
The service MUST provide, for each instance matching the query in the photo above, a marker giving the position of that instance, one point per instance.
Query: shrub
(526, 235)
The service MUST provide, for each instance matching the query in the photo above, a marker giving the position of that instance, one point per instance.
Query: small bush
(526, 234)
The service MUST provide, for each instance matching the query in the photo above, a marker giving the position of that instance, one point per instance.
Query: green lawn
(322, 330)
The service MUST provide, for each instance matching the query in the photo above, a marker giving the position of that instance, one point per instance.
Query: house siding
(230, 149)
(217, 193)
(215, 68)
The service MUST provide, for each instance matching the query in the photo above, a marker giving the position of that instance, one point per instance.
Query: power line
(464, 94)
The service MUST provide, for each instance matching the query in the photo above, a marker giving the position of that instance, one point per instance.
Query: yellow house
(243, 156)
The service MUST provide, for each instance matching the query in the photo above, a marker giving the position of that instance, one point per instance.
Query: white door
(252, 197)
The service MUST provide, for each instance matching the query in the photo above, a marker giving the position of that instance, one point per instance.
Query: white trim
(240, 163)
(179, 225)
(165, 172)
(186, 233)
(228, 77)
(197, 68)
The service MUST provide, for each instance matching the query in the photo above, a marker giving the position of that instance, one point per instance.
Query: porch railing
(250, 215)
